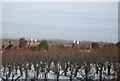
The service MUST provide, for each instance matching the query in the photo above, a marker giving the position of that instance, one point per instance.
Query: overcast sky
(69, 21)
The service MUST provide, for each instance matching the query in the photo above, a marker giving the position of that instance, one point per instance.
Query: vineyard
(61, 64)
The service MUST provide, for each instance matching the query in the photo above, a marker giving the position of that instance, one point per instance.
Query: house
(76, 44)
(33, 43)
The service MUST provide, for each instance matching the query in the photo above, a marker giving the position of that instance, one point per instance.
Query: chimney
(31, 39)
(74, 42)
(35, 40)
(77, 42)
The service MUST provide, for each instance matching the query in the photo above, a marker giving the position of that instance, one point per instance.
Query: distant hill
(16, 41)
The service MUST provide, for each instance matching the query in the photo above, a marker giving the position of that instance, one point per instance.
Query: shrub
(44, 45)
(118, 44)
(95, 45)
